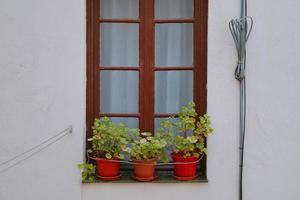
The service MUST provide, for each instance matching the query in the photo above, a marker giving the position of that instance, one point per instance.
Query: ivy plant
(88, 172)
(192, 132)
(146, 147)
(110, 140)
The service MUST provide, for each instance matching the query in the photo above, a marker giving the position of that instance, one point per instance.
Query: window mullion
(147, 63)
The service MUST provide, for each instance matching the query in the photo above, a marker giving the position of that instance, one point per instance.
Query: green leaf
(108, 156)
(197, 155)
(87, 171)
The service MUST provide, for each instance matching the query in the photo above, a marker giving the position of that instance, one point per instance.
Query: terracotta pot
(108, 169)
(144, 169)
(185, 171)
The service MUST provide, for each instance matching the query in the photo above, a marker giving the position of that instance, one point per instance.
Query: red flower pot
(144, 170)
(186, 170)
(108, 169)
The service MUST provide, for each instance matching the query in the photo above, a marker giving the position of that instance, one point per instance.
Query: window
(145, 59)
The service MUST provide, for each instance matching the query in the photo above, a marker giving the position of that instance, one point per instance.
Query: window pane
(174, 44)
(174, 9)
(129, 122)
(119, 9)
(119, 44)
(173, 89)
(118, 92)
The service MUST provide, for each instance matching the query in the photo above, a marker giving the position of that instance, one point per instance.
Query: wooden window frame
(146, 23)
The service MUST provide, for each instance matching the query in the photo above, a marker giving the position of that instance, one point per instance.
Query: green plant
(110, 140)
(87, 171)
(192, 132)
(146, 147)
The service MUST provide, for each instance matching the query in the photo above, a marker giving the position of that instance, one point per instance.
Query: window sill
(163, 177)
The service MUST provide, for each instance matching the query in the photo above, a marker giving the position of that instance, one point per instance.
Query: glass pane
(118, 92)
(119, 9)
(129, 122)
(173, 89)
(119, 44)
(174, 9)
(174, 44)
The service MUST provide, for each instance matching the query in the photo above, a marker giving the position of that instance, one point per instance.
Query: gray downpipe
(240, 29)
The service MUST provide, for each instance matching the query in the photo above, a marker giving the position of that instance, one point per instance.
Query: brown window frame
(146, 23)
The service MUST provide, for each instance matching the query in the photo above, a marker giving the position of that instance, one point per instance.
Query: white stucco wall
(42, 91)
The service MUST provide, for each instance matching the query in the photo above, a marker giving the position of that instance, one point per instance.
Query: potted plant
(189, 144)
(109, 146)
(145, 151)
